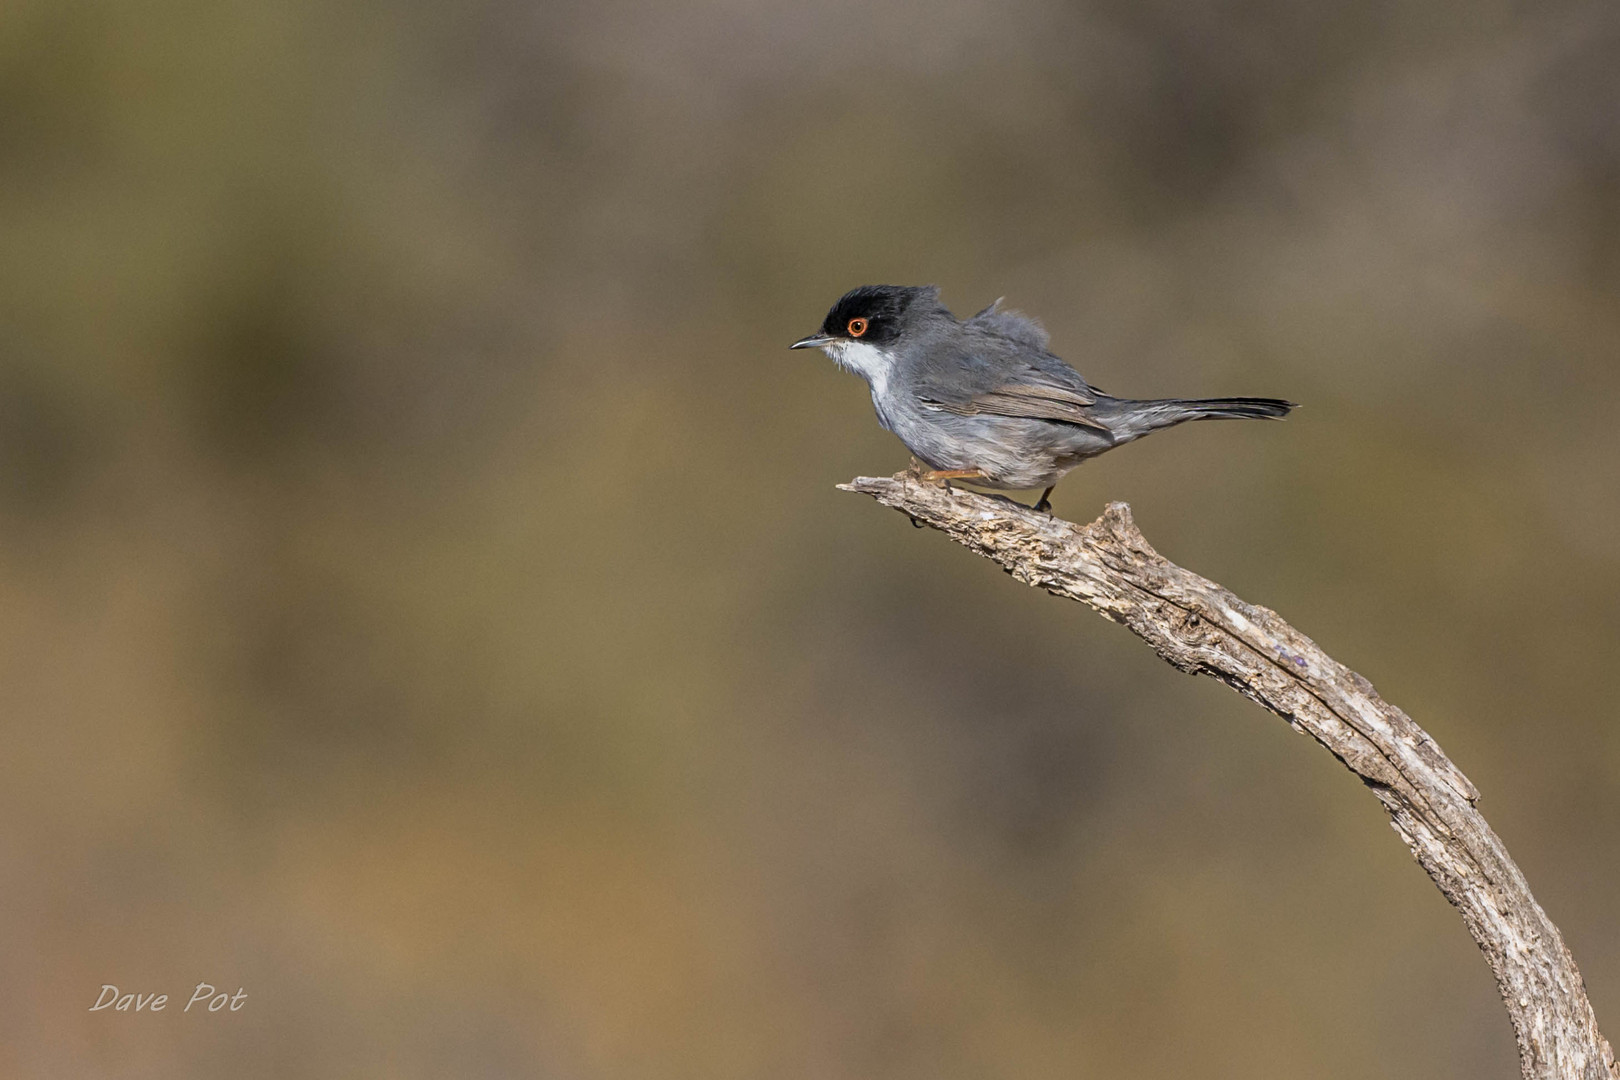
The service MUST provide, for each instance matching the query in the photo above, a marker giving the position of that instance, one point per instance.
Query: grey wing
(1008, 378)
(1031, 401)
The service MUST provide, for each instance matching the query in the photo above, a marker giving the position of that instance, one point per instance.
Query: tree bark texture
(1199, 627)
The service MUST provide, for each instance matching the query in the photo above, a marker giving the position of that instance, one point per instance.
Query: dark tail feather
(1132, 419)
(1236, 408)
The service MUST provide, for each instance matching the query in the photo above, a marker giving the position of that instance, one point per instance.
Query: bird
(983, 399)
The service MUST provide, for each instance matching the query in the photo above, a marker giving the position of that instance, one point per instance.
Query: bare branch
(1201, 628)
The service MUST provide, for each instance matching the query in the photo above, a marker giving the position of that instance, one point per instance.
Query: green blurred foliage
(428, 608)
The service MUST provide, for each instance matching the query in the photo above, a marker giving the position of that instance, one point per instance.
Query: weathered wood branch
(1201, 628)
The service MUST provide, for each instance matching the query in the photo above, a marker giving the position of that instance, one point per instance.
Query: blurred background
(426, 605)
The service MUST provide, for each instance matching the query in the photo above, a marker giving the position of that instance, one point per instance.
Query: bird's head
(877, 316)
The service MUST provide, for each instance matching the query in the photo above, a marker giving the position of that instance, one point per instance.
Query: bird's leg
(1045, 503)
(952, 474)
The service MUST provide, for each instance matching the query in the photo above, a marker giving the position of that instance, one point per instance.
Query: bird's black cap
(872, 313)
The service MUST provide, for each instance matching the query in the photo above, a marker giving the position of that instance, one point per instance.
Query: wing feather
(1034, 400)
(1002, 368)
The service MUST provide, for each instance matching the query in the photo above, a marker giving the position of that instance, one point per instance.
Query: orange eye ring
(857, 327)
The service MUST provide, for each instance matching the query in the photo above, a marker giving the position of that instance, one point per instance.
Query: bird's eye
(857, 327)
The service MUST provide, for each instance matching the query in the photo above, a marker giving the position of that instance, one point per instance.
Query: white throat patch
(868, 361)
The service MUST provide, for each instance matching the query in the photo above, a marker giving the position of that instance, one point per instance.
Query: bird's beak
(814, 341)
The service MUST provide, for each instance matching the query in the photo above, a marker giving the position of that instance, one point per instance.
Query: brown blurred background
(426, 605)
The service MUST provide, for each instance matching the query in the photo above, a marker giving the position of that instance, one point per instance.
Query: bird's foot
(1044, 506)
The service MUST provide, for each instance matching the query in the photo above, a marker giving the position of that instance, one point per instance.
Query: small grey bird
(982, 400)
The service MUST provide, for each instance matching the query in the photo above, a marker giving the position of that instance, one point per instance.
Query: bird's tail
(1233, 408)
(1136, 418)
